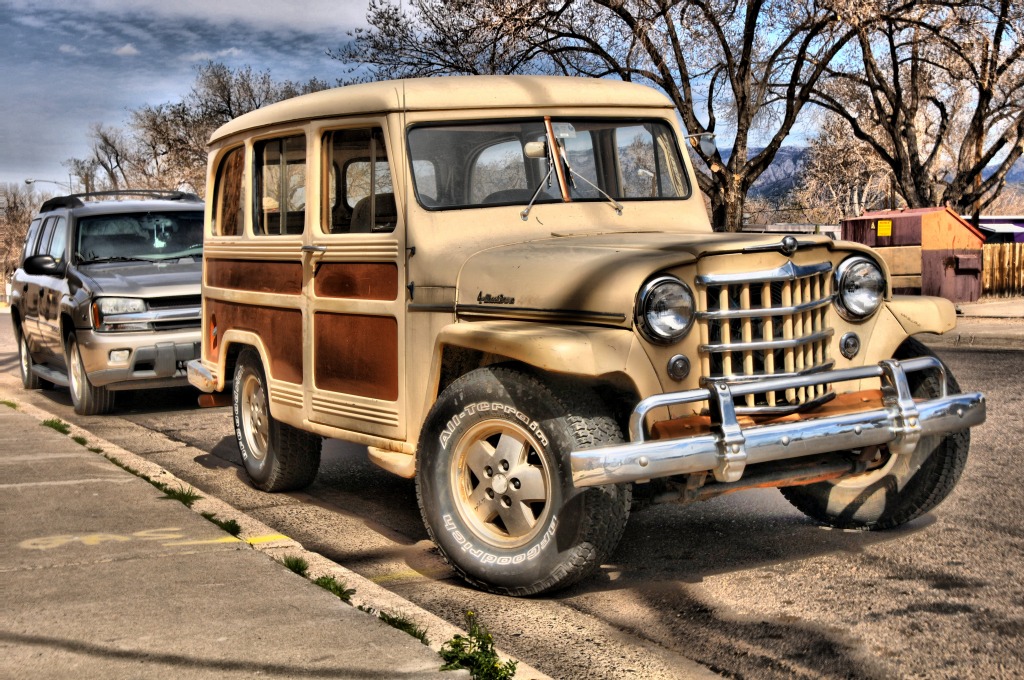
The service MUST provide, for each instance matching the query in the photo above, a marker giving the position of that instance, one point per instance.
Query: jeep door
(355, 254)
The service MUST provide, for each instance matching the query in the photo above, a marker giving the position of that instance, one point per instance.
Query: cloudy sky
(69, 64)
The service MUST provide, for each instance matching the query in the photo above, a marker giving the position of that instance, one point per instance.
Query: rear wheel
(277, 457)
(898, 488)
(88, 399)
(29, 380)
(494, 482)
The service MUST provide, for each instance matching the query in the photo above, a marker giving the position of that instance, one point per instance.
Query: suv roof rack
(75, 200)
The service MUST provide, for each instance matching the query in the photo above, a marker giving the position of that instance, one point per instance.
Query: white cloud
(126, 50)
(69, 49)
(205, 55)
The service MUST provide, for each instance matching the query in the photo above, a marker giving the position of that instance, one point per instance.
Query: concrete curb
(276, 546)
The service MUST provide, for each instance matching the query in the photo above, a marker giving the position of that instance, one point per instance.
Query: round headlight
(664, 309)
(860, 286)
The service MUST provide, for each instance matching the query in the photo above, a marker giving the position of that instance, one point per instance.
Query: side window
(280, 177)
(42, 246)
(229, 195)
(361, 194)
(59, 241)
(30, 238)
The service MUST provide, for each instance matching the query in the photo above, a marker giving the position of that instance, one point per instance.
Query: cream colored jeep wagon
(508, 288)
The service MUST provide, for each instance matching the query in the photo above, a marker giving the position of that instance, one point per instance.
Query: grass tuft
(95, 449)
(9, 404)
(80, 440)
(187, 496)
(475, 652)
(57, 424)
(228, 525)
(405, 624)
(337, 587)
(296, 564)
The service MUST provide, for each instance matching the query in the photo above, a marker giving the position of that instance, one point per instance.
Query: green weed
(57, 424)
(187, 496)
(95, 449)
(405, 624)
(475, 652)
(9, 404)
(228, 525)
(79, 440)
(296, 564)
(337, 587)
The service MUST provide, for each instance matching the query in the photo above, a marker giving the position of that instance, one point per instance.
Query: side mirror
(535, 150)
(43, 265)
(707, 143)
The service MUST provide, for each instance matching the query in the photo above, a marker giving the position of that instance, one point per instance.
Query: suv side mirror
(43, 265)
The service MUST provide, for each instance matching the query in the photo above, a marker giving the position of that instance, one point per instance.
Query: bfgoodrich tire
(494, 482)
(276, 456)
(29, 380)
(899, 488)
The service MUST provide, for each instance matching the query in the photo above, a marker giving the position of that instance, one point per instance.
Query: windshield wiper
(114, 258)
(525, 214)
(571, 173)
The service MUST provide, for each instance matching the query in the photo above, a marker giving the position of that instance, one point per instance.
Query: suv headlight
(115, 314)
(860, 287)
(664, 310)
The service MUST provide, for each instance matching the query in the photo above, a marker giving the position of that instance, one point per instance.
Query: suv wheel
(494, 483)
(899, 488)
(88, 399)
(29, 380)
(277, 457)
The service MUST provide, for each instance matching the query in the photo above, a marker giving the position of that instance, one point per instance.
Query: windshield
(489, 163)
(140, 236)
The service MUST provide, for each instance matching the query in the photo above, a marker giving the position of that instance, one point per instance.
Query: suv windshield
(139, 236)
(488, 163)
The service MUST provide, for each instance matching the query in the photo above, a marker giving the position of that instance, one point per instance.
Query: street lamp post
(67, 185)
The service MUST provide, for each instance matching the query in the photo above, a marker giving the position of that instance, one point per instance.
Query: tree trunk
(727, 209)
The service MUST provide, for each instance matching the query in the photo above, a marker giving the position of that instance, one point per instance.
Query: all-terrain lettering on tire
(493, 481)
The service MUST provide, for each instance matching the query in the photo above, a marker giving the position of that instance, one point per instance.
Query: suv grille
(770, 323)
(189, 317)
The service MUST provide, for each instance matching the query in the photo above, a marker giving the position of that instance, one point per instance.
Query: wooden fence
(1003, 272)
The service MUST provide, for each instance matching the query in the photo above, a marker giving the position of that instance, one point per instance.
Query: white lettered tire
(276, 456)
(494, 483)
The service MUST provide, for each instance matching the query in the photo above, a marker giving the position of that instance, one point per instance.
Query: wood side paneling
(356, 354)
(280, 329)
(356, 280)
(262, 277)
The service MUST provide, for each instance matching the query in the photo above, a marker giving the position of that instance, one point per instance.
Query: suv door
(53, 290)
(354, 326)
(34, 289)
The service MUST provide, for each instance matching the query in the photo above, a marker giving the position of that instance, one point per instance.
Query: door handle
(314, 249)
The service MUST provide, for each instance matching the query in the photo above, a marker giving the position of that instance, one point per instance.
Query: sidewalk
(102, 576)
(996, 324)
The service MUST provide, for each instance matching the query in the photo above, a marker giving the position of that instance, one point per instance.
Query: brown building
(929, 251)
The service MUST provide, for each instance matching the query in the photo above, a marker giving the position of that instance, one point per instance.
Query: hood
(586, 277)
(170, 278)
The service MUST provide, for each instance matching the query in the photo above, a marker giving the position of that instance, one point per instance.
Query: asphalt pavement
(103, 575)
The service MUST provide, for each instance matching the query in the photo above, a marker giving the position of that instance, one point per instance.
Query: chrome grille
(770, 323)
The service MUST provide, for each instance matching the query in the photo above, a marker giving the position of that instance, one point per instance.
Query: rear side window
(280, 176)
(361, 192)
(229, 195)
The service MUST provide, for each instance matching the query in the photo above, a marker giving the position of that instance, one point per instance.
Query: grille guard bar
(729, 448)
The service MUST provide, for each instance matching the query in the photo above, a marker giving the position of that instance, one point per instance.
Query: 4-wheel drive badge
(488, 299)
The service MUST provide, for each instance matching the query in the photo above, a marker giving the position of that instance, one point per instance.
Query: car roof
(450, 93)
(109, 207)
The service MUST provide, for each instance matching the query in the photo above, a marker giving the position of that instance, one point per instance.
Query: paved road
(743, 584)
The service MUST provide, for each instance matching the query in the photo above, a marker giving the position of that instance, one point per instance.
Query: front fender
(577, 350)
(919, 314)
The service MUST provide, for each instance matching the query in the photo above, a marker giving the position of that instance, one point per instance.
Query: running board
(51, 375)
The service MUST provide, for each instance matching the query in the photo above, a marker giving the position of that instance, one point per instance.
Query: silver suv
(107, 297)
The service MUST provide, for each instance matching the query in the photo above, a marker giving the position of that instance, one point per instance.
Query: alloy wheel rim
(502, 482)
(255, 418)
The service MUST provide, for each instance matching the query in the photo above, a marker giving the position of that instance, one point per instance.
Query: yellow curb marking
(269, 538)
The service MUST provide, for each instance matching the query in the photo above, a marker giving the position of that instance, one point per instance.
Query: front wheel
(495, 488)
(896, 489)
(277, 457)
(88, 399)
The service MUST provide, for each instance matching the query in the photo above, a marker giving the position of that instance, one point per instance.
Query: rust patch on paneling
(356, 354)
(257, 276)
(363, 281)
(280, 329)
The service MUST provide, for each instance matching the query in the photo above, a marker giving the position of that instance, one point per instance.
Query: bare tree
(164, 145)
(747, 64)
(937, 91)
(18, 203)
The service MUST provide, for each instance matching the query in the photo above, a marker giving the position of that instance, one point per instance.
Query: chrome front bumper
(729, 448)
(201, 377)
